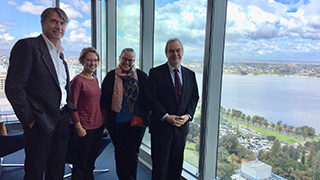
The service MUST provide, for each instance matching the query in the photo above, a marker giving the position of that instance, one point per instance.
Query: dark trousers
(167, 156)
(87, 149)
(45, 152)
(126, 140)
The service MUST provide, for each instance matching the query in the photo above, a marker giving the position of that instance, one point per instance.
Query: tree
(285, 126)
(290, 129)
(248, 119)
(265, 123)
(279, 126)
(276, 148)
(223, 154)
(273, 125)
(230, 143)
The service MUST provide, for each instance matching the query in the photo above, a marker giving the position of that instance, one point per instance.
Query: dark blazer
(106, 98)
(32, 85)
(163, 99)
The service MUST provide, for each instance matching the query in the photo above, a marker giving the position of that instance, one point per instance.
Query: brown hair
(47, 12)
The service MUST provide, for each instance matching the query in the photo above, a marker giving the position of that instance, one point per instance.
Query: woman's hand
(80, 130)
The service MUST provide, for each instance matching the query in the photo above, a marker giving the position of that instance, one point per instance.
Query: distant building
(2, 81)
(255, 170)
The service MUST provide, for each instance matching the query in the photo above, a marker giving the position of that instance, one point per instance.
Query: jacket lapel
(172, 90)
(47, 59)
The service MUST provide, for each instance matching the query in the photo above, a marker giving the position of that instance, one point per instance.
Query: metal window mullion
(211, 95)
(111, 35)
(146, 34)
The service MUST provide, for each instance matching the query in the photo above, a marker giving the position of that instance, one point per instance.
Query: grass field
(266, 132)
(190, 154)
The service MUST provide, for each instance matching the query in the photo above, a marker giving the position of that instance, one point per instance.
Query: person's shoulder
(76, 79)
(141, 73)
(160, 67)
(111, 73)
(187, 69)
(27, 42)
(109, 76)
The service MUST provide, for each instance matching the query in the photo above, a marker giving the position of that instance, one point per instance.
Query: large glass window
(78, 32)
(128, 26)
(270, 91)
(186, 21)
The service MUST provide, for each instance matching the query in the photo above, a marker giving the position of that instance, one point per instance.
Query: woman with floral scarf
(124, 107)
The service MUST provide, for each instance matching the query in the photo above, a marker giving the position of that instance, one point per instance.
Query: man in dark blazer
(173, 99)
(37, 87)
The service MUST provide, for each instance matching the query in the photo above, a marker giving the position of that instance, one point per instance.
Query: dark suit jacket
(32, 85)
(106, 98)
(163, 99)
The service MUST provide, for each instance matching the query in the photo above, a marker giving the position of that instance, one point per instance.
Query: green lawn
(281, 137)
(190, 154)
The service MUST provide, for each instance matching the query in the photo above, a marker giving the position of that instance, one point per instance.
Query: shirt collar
(172, 68)
(51, 47)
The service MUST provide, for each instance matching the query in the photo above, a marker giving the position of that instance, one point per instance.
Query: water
(292, 100)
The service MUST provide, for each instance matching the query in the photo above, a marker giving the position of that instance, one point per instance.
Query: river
(292, 100)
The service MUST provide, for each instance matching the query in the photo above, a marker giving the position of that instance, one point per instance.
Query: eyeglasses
(127, 59)
(92, 60)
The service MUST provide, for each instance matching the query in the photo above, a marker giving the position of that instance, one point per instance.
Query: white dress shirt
(60, 69)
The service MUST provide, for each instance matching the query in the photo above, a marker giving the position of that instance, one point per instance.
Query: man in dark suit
(37, 87)
(173, 99)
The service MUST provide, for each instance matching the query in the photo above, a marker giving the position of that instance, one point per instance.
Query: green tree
(248, 119)
(230, 143)
(276, 148)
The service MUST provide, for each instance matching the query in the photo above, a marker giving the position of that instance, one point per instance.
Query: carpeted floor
(105, 160)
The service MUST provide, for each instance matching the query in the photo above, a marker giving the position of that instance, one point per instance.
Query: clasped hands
(177, 120)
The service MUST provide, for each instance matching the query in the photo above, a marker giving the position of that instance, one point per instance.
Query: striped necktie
(177, 85)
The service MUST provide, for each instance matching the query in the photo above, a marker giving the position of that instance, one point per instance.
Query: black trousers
(126, 140)
(167, 156)
(45, 152)
(87, 149)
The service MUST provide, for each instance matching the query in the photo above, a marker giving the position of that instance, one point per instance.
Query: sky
(277, 30)
(20, 19)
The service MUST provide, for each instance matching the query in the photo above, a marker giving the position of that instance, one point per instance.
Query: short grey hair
(170, 41)
(127, 49)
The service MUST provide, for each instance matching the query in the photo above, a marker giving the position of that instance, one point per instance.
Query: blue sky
(20, 19)
(278, 30)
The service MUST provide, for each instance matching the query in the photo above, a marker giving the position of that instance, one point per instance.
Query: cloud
(268, 29)
(71, 13)
(73, 24)
(29, 7)
(12, 3)
(3, 28)
(79, 35)
(32, 34)
(82, 5)
(6, 37)
(87, 23)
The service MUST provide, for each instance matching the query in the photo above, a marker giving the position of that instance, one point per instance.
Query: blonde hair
(86, 51)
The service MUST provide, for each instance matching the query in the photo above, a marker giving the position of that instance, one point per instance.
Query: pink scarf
(117, 95)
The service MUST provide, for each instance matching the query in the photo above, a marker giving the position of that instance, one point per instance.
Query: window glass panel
(78, 32)
(18, 19)
(128, 27)
(103, 56)
(270, 91)
(186, 21)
